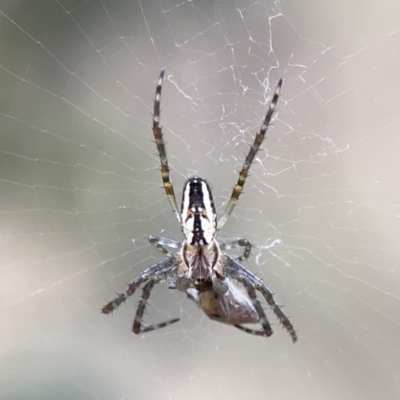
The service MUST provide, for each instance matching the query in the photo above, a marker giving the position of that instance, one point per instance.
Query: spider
(200, 268)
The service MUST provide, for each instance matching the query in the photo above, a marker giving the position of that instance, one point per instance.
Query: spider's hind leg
(158, 136)
(244, 173)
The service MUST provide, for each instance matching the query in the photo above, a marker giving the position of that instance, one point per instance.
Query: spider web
(80, 191)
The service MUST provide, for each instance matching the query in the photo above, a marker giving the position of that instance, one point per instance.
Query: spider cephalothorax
(200, 268)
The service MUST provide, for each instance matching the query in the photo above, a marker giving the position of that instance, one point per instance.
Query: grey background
(80, 193)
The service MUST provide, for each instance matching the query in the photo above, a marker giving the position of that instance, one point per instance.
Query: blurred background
(81, 191)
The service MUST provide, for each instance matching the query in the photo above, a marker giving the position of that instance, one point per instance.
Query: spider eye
(198, 216)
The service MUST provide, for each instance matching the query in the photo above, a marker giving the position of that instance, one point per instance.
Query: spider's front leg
(251, 291)
(234, 270)
(162, 270)
(138, 326)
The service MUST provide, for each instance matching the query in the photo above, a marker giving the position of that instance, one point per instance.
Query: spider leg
(257, 305)
(138, 327)
(233, 244)
(161, 271)
(236, 271)
(158, 136)
(161, 243)
(238, 188)
(251, 331)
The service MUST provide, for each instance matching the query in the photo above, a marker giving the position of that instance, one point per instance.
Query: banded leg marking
(238, 188)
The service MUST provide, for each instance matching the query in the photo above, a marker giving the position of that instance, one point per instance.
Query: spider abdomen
(198, 215)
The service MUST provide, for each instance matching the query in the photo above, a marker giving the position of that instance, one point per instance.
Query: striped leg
(234, 270)
(138, 327)
(284, 320)
(162, 243)
(250, 331)
(267, 330)
(238, 188)
(161, 271)
(158, 136)
(233, 244)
